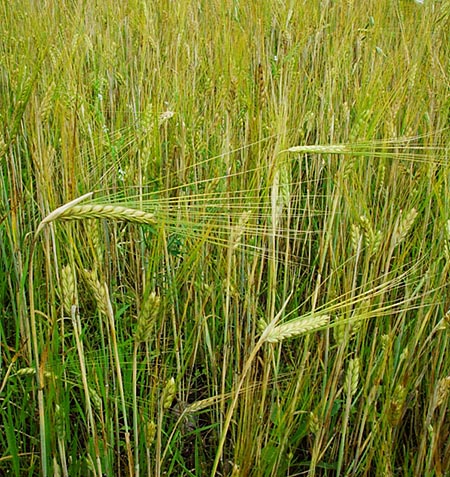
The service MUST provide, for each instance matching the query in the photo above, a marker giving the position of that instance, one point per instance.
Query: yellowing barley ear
(443, 391)
(397, 404)
(169, 393)
(68, 289)
(294, 328)
(147, 317)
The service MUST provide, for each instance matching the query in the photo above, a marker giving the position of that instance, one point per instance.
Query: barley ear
(169, 393)
(68, 289)
(294, 328)
(147, 317)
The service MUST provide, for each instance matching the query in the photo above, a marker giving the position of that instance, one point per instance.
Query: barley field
(225, 238)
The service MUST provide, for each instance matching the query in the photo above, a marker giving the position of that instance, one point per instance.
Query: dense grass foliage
(224, 238)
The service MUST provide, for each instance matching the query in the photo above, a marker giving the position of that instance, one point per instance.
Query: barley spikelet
(296, 327)
(147, 317)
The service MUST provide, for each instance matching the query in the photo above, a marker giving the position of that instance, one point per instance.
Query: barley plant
(224, 238)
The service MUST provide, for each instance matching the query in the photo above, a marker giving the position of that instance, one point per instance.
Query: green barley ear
(59, 422)
(339, 329)
(281, 191)
(147, 317)
(294, 328)
(95, 399)
(352, 378)
(405, 222)
(98, 291)
(447, 241)
(238, 230)
(169, 393)
(372, 238)
(355, 237)
(150, 433)
(68, 289)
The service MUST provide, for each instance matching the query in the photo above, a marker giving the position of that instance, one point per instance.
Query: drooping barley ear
(72, 211)
(405, 222)
(98, 291)
(68, 289)
(397, 404)
(295, 328)
(147, 317)
(352, 378)
(106, 211)
(169, 393)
